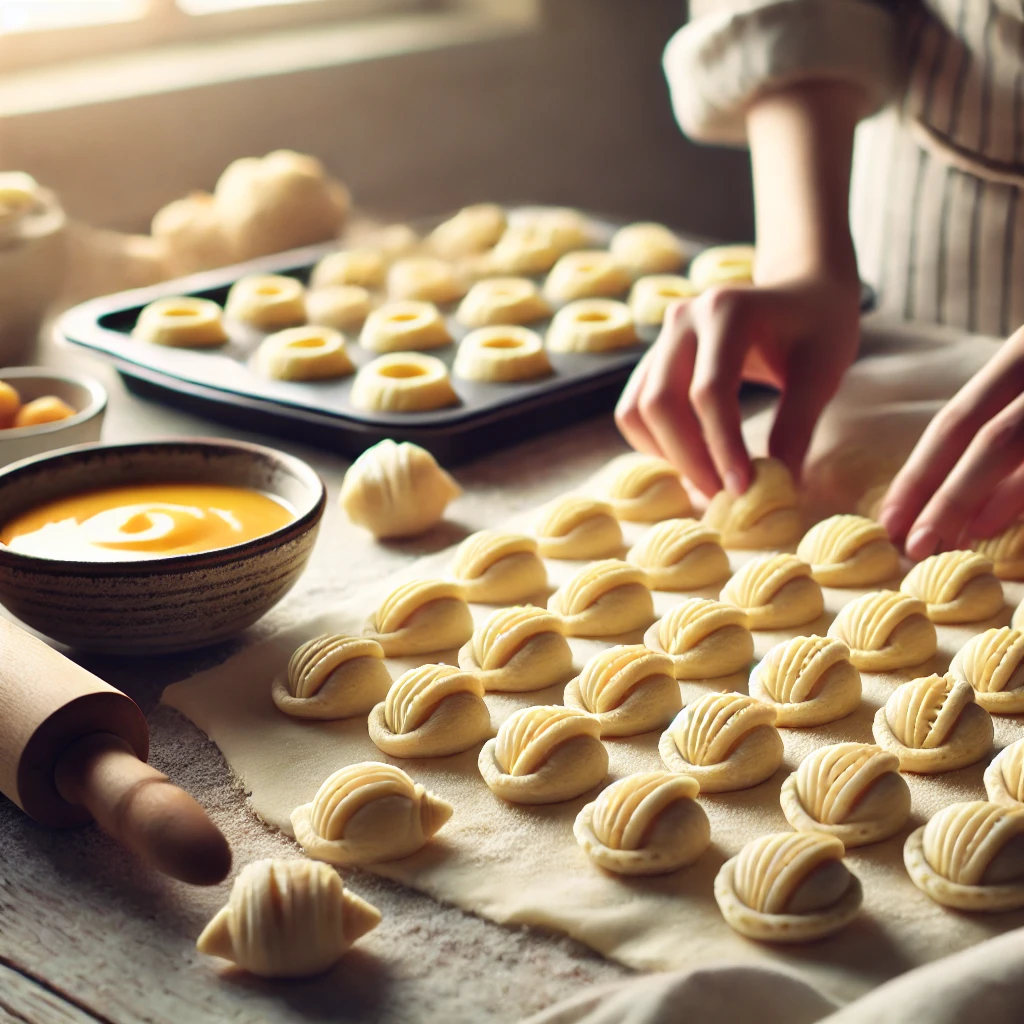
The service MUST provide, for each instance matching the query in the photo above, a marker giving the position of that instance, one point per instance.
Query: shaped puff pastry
(680, 554)
(647, 249)
(993, 664)
(651, 297)
(970, 856)
(431, 711)
(268, 302)
(809, 680)
(957, 586)
(644, 489)
(705, 639)
(367, 813)
(605, 598)
(344, 307)
(788, 887)
(502, 354)
(405, 327)
(591, 325)
(644, 824)
(585, 275)
(304, 353)
(366, 268)
(544, 755)
(726, 741)
(332, 677)
(852, 791)
(495, 567)
(776, 592)
(765, 515)
(723, 264)
(184, 322)
(403, 382)
(885, 630)
(502, 300)
(1006, 551)
(287, 919)
(630, 689)
(579, 528)
(425, 279)
(396, 490)
(849, 551)
(1004, 777)
(421, 617)
(933, 725)
(523, 249)
(472, 230)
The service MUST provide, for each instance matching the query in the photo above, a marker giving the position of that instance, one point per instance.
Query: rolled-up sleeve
(731, 52)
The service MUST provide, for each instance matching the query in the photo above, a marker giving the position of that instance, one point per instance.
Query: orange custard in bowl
(142, 521)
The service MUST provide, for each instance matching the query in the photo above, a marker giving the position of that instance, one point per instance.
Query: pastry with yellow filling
(344, 307)
(495, 567)
(592, 325)
(585, 275)
(1004, 777)
(403, 382)
(644, 489)
(849, 551)
(184, 322)
(425, 279)
(885, 630)
(472, 230)
(651, 297)
(1006, 551)
(304, 353)
(723, 264)
(606, 598)
(366, 268)
(421, 617)
(680, 554)
(957, 586)
(993, 664)
(705, 639)
(776, 592)
(502, 300)
(578, 528)
(647, 249)
(404, 327)
(268, 302)
(765, 515)
(502, 354)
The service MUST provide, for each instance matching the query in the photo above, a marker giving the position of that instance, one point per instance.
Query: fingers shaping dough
(1004, 777)
(680, 554)
(495, 567)
(630, 689)
(651, 296)
(367, 813)
(644, 489)
(992, 663)
(1006, 550)
(852, 791)
(933, 725)
(472, 230)
(605, 598)
(644, 824)
(705, 639)
(425, 279)
(723, 264)
(268, 302)
(788, 887)
(364, 267)
(726, 741)
(957, 586)
(586, 275)
(344, 307)
(764, 516)
(776, 592)
(502, 300)
(849, 551)
(421, 617)
(181, 323)
(403, 382)
(885, 630)
(544, 755)
(304, 353)
(591, 325)
(502, 354)
(579, 528)
(647, 249)
(405, 326)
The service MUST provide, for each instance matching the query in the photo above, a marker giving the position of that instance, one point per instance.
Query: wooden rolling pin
(73, 749)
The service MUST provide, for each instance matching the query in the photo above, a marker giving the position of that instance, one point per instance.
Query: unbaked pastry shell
(573, 768)
(457, 723)
(652, 704)
(755, 759)
(595, 536)
(618, 611)
(592, 325)
(724, 652)
(795, 603)
(995, 781)
(443, 624)
(403, 382)
(520, 674)
(968, 742)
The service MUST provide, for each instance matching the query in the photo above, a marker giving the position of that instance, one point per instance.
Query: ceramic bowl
(157, 605)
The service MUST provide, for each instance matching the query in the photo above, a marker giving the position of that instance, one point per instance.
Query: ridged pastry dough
(933, 725)
(344, 307)
(993, 664)
(396, 490)
(523, 249)
(472, 230)
(592, 325)
(644, 489)
(723, 264)
(502, 354)
(849, 551)
(304, 353)
(426, 279)
(605, 598)
(332, 677)
(885, 630)
(705, 639)
(809, 680)
(518, 650)
(765, 515)
(268, 302)
(544, 755)
(726, 741)
(502, 300)
(852, 791)
(776, 592)
(647, 249)
(680, 554)
(495, 567)
(957, 586)
(1006, 550)
(1004, 777)
(630, 689)
(368, 813)
(405, 327)
(403, 382)
(579, 528)
(364, 267)
(970, 856)
(184, 322)
(587, 274)
(644, 824)
(788, 887)
(421, 617)
(287, 919)
(651, 297)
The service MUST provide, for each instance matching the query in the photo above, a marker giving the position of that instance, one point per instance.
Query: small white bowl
(83, 394)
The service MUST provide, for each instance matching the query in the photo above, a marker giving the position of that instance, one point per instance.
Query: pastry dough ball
(287, 919)
(421, 617)
(970, 856)
(268, 302)
(426, 279)
(788, 887)
(534, 241)
(644, 489)
(502, 354)
(852, 791)
(472, 230)
(431, 711)
(368, 813)
(394, 240)
(405, 326)
(1006, 550)
(992, 663)
(764, 516)
(403, 382)
(723, 264)
(776, 592)
(957, 586)
(367, 268)
(680, 554)
(495, 567)
(705, 639)
(544, 755)
(1004, 777)
(585, 275)
(885, 630)
(592, 325)
(193, 235)
(809, 680)
(10, 403)
(647, 249)
(182, 323)
(567, 229)
(47, 409)
(343, 307)
(630, 689)
(304, 353)
(579, 528)
(332, 677)
(644, 824)
(933, 725)
(651, 297)
(502, 300)
(849, 551)
(606, 598)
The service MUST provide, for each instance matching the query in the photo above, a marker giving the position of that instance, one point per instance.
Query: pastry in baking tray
(578, 528)
(592, 325)
(472, 230)
(522, 249)
(344, 307)
(849, 551)
(431, 711)
(643, 489)
(644, 824)
(647, 249)
(970, 856)
(544, 755)
(853, 791)
(497, 567)
(605, 598)
(724, 265)
(421, 617)
(497, 301)
(268, 302)
(1006, 551)
(933, 725)
(776, 592)
(680, 554)
(184, 322)
(586, 274)
(1004, 777)
(957, 586)
(304, 353)
(368, 813)
(367, 268)
(502, 354)
(788, 887)
(403, 382)
(405, 326)
(518, 650)
(651, 296)
(765, 515)
(993, 663)
(726, 741)
(885, 630)
(331, 677)
(426, 279)
(630, 689)
(705, 639)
